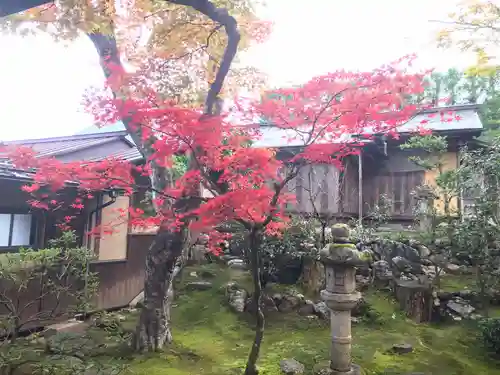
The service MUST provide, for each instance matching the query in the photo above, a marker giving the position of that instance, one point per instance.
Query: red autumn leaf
(327, 118)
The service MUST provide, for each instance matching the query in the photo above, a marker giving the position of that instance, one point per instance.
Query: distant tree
(452, 79)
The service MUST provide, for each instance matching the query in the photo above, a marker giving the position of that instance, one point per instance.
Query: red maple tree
(327, 118)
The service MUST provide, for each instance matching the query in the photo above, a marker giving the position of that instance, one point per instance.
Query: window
(91, 241)
(16, 230)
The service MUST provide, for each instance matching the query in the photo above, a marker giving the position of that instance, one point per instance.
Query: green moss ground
(211, 340)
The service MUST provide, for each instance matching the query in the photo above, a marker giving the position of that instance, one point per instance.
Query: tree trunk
(323, 234)
(153, 330)
(255, 243)
(414, 299)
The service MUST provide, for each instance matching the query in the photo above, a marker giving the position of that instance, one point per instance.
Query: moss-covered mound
(212, 340)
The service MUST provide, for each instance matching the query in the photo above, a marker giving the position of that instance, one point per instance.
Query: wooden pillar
(460, 189)
(360, 187)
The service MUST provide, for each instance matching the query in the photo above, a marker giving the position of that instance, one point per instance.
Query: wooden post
(460, 188)
(360, 188)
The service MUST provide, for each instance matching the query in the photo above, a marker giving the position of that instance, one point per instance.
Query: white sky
(42, 82)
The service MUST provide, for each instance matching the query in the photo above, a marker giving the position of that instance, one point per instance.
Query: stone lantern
(425, 197)
(340, 259)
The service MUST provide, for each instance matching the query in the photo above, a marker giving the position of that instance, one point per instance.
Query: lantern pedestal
(341, 259)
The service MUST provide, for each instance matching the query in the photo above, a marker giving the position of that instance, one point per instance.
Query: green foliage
(436, 231)
(180, 166)
(369, 228)
(38, 287)
(490, 333)
(477, 237)
(433, 145)
(369, 314)
(299, 237)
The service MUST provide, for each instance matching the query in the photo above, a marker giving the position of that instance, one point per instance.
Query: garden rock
(381, 269)
(291, 367)
(288, 301)
(322, 310)
(287, 305)
(402, 348)
(355, 320)
(237, 264)
(422, 250)
(401, 264)
(267, 305)
(458, 306)
(362, 282)
(228, 257)
(452, 268)
(307, 309)
(199, 285)
(382, 274)
(388, 249)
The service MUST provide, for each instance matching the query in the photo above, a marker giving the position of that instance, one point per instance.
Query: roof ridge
(454, 107)
(69, 148)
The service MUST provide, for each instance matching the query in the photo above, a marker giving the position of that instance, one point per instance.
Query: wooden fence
(322, 189)
(397, 187)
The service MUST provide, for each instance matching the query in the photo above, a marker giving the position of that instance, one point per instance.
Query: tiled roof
(132, 154)
(469, 121)
(7, 171)
(59, 147)
(83, 147)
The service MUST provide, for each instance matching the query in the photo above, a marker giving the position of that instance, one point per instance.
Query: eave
(9, 7)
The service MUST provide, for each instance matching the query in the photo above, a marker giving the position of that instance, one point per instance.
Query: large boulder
(289, 301)
(388, 249)
(236, 297)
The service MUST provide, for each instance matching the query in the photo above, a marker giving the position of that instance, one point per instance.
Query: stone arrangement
(340, 259)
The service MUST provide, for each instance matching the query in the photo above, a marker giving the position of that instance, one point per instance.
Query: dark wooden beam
(8, 7)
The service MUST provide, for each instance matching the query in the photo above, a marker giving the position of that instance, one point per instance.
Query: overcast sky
(42, 82)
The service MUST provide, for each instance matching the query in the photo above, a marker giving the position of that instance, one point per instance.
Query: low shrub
(490, 335)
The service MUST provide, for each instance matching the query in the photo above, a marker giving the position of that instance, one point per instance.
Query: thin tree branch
(222, 17)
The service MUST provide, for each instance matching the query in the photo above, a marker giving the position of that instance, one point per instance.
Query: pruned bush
(40, 287)
(490, 334)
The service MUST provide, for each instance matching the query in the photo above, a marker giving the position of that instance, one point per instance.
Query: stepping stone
(291, 367)
(199, 285)
(402, 348)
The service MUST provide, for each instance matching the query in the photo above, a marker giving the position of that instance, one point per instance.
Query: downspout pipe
(112, 196)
